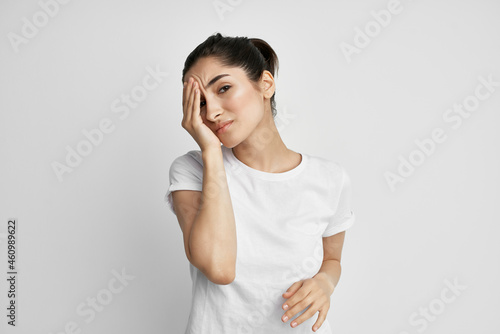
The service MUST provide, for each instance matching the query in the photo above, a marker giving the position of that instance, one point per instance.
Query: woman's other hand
(314, 292)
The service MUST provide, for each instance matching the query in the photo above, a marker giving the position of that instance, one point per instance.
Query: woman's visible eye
(225, 87)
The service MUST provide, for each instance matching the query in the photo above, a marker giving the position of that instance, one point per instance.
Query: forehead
(207, 68)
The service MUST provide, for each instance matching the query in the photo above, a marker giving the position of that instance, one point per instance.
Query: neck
(264, 150)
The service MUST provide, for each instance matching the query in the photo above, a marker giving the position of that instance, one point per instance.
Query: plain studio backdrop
(404, 94)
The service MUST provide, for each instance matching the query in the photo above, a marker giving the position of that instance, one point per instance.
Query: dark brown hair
(253, 55)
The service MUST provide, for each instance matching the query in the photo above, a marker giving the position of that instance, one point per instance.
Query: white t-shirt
(280, 221)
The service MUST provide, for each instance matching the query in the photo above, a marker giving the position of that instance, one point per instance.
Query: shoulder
(327, 166)
(189, 162)
(190, 157)
(332, 173)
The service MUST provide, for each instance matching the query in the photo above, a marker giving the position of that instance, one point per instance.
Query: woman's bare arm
(207, 221)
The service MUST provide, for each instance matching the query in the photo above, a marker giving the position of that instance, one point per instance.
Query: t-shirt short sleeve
(186, 173)
(343, 217)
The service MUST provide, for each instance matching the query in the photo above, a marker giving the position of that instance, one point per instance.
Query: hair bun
(268, 53)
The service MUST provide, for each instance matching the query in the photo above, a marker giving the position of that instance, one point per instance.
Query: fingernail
(285, 318)
(285, 307)
(185, 83)
(294, 324)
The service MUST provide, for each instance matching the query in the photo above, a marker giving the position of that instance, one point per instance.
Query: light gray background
(108, 214)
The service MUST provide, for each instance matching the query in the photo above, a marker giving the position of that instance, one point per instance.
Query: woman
(263, 225)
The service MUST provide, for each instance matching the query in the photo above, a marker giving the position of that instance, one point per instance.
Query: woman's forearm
(212, 241)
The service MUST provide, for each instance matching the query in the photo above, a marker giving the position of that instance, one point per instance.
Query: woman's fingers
(321, 318)
(185, 91)
(306, 295)
(291, 291)
(190, 106)
(296, 307)
(304, 316)
(193, 107)
(187, 97)
(184, 94)
(192, 120)
(196, 106)
(295, 293)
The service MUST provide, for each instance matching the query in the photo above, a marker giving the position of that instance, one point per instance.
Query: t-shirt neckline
(239, 165)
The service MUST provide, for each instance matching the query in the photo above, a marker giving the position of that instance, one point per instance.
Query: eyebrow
(214, 80)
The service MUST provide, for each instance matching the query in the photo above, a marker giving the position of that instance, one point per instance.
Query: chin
(229, 143)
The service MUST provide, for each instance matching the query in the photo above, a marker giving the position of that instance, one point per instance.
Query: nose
(213, 109)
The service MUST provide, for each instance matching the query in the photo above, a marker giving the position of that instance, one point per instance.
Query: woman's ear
(267, 84)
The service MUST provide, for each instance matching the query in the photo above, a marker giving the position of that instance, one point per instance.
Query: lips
(223, 126)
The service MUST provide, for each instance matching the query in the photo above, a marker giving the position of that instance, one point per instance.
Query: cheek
(242, 101)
